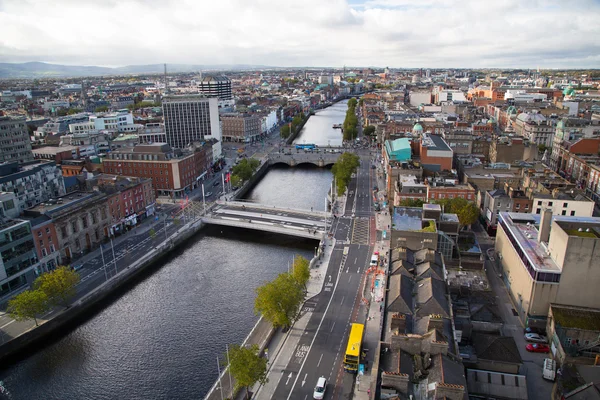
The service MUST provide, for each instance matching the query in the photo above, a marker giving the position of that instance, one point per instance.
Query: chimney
(545, 223)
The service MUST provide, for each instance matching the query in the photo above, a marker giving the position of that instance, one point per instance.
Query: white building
(32, 183)
(420, 97)
(120, 121)
(50, 105)
(326, 80)
(520, 96)
(567, 204)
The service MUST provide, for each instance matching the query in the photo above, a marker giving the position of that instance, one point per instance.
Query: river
(161, 339)
(319, 127)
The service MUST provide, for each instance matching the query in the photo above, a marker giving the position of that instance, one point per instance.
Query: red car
(537, 348)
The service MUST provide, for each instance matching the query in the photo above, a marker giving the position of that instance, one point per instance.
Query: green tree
(101, 109)
(301, 270)
(59, 285)
(352, 102)
(412, 203)
(247, 366)
(28, 305)
(466, 211)
(361, 101)
(369, 130)
(278, 301)
(542, 148)
(343, 169)
(74, 111)
(246, 168)
(284, 131)
(236, 181)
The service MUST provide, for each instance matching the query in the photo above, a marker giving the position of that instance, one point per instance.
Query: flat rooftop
(54, 205)
(407, 218)
(53, 150)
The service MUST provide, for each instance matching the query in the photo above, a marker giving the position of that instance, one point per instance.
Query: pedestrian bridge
(319, 159)
(293, 222)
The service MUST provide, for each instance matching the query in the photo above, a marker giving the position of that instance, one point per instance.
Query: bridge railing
(239, 204)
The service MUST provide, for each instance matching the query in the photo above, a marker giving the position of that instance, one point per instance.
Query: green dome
(568, 91)
(417, 128)
(511, 110)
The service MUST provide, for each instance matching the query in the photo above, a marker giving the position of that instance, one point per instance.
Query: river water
(161, 339)
(319, 127)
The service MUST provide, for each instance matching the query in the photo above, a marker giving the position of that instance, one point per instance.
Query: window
(44, 253)
(52, 248)
(549, 204)
(572, 213)
(538, 211)
(39, 233)
(77, 243)
(539, 203)
(517, 206)
(63, 231)
(564, 212)
(527, 206)
(74, 226)
(565, 205)
(47, 230)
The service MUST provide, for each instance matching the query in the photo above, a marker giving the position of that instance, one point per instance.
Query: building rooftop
(53, 150)
(576, 317)
(435, 143)
(407, 218)
(53, 206)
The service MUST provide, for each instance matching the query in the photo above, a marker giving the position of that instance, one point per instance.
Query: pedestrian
(369, 392)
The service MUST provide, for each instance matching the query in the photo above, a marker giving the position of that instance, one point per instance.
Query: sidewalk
(366, 385)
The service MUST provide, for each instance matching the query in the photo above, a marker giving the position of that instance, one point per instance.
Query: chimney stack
(545, 223)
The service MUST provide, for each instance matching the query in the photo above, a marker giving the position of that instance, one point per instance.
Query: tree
(542, 148)
(101, 109)
(28, 305)
(412, 203)
(247, 366)
(369, 130)
(74, 111)
(343, 169)
(246, 168)
(236, 181)
(301, 270)
(466, 211)
(285, 131)
(279, 300)
(59, 285)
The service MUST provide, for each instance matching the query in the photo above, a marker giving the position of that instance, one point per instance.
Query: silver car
(534, 337)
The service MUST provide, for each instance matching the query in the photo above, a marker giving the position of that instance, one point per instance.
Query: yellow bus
(353, 350)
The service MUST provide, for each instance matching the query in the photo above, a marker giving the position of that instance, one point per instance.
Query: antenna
(166, 85)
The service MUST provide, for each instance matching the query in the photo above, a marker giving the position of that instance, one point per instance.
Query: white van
(374, 260)
(320, 388)
(549, 369)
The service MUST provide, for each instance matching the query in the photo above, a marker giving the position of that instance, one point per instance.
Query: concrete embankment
(94, 301)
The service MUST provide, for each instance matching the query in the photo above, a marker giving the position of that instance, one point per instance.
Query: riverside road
(321, 349)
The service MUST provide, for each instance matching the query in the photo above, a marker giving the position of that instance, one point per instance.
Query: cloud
(395, 33)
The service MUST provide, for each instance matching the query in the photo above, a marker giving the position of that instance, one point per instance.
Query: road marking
(320, 358)
(303, 380)
(330, 331)
(342, 302)
(7, 324)
(350, 278)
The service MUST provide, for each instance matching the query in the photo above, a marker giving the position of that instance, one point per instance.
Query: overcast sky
(394, 33)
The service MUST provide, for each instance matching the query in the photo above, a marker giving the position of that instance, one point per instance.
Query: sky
(317, 33)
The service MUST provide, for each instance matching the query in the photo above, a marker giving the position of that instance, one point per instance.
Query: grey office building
(190, 119)
(15, 144)
(216, 86)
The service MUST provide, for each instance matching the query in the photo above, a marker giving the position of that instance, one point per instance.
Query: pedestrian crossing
(360, 231)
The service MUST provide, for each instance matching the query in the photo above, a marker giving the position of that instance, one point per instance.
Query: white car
(320, 388)
(534, 337)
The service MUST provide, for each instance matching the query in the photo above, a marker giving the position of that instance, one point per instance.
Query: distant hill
(45, 70)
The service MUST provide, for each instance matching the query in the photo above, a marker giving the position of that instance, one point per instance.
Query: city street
(321, 348)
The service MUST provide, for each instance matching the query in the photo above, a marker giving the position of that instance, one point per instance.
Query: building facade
(18, 258)
(190, 119)
(241, 128)
(216, 86)
(15, 144)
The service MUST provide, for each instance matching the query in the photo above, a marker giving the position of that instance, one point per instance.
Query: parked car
(534, 337)
(235, 188)
(537, 348)
(531, 329)
(207, 194)
(320, 388)
(217, 183)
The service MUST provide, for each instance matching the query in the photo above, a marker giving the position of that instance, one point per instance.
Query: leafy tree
(101, 109)
(466, 211)
(285, 131)
(343, 169)
(369, 130)
(236, 180)
(301, 270)
(279, 300)
(72, 111)
(61, 112)
(28, 305)
(542, 148)
(59, 285)
(247, 366)
(412, 203)
(361, 101)
(246, 168)
(352, 102)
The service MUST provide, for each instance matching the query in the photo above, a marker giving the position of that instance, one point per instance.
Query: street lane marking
(350, 278)
(320, 358)
(342, 302)
(330, 331)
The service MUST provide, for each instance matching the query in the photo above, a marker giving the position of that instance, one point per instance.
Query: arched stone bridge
(319, 159)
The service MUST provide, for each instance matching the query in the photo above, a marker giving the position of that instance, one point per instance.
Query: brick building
(173, 172)
(241, 127)
(435, 154)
